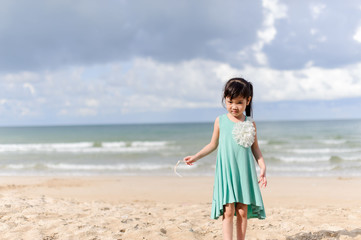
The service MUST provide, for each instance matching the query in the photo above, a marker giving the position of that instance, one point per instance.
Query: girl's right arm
(208, 148)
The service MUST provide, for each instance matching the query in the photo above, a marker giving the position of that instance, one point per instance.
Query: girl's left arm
(259, 159)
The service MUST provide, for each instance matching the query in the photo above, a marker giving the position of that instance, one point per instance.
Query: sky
(117, 61)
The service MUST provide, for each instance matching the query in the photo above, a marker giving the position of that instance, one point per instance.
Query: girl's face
(237, 106)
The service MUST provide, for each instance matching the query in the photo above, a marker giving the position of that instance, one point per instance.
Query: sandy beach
(171, 208)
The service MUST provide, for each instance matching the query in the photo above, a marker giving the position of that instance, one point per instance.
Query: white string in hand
(175, 167)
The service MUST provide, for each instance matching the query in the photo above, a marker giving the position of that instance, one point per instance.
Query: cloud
(84, 59)
(30, 88)
(276, 33)
(52, 34)
(87, 112)
(309, 83)
(317, 9)
(309, 110)
(357, 35)
(272, 11)
(92, 103)
(149, 85)
(318, 32)
(199, 83)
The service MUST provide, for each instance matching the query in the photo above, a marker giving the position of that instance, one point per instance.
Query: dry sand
(171, 208)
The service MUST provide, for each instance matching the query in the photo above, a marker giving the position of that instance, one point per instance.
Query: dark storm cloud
(317, 31)
(51, 34)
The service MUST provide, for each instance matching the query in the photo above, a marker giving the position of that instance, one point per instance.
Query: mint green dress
(236, 178)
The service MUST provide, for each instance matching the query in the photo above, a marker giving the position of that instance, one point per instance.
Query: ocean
(290, 148)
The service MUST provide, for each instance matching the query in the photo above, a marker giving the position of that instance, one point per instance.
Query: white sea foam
(262, 142)
(352, 158)
(291, 169)
(44, 147)
(18, 166)
(34, 166)
(149, 144)
(85, 147)
(96, 167)
(332, 141)
(117, 167)
(305, 159)
(114, 144)
(324, 150)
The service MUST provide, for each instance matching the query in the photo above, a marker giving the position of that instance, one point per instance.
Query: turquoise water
(304, 148)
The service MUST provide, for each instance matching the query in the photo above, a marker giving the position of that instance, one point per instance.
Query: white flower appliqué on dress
(244, 132)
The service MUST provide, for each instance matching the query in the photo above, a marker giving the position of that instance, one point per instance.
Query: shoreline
(131, 207)
(194, 189)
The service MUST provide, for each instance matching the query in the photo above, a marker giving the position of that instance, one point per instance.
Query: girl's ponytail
(249, 111)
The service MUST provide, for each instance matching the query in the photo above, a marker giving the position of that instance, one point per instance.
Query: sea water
(290, 148)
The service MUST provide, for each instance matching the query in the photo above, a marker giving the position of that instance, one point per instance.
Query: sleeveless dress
(235, 177)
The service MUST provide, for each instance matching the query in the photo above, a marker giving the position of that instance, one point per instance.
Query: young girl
(236, 191)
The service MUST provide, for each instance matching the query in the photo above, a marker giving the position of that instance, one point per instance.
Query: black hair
(236, 87)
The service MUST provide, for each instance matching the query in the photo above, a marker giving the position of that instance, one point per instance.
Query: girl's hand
(262, 178)
(189, 160)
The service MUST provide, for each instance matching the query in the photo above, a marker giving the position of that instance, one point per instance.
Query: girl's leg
(227, 222)
(241, 211)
